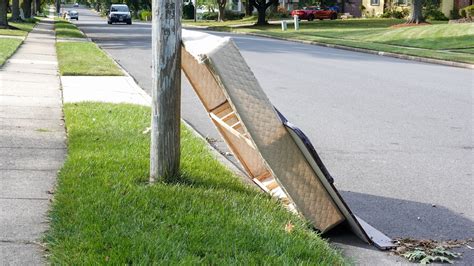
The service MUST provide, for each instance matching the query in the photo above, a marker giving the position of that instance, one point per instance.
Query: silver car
(119, 13)
(73, 14)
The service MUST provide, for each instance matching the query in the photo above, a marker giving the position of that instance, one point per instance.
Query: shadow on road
(403, 219)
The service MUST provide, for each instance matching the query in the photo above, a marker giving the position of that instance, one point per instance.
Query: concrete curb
(13, 37)
(73, 39)
(353, 49)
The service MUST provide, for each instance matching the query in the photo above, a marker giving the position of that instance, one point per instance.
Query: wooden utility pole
(195, 10)
(166, 89)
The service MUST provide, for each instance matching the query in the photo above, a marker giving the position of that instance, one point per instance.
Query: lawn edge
(22, 38)
(88, 39)
(71, 39)
(349, 48)
(12, 54)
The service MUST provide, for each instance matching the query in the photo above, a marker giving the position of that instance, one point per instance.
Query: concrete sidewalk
(32, 145)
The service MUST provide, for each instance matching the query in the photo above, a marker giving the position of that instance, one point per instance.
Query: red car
(314, 12)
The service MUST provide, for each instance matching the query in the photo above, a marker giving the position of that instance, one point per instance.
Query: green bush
(209, 16)
(454, 14)
(144, 15)
(434, 14)
(233, 15)
(188, 11)
(228, 15)
(396, 13)
(467, 12)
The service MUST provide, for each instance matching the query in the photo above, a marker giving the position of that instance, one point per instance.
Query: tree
(221, 6)
(3, 14)
(15, 11)
(262, 6)
(27, 8)
(416, 15)
(248, 7)
(37, 6)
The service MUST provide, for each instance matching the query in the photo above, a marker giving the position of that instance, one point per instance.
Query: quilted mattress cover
(222, 79)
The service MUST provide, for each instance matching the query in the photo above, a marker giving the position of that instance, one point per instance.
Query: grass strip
(65, 29)
(437, 41)
(213, 23)
(104, 211)
(84, 59)
(20, 28)
(436, 54)
(8, 46)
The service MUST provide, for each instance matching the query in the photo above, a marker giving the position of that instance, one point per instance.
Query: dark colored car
(119, 14)
(314, 12)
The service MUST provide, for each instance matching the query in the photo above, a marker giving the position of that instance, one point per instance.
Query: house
(378, 7)
(448, 6)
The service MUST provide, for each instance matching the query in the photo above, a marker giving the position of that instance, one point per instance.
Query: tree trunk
(221, 14)
(221, 6)
(416, 15)
(261, 16)
(3, 14)
(38, 6)
(27, 10)
(15, 10)
(248, 8)
(261, 6)
(58, 6)
(166, 90)
(135, 5)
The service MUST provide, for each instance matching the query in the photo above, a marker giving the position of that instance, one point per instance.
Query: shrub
(467, 12)
(435, 15)
(188, 11)
(228, 15)
(431, 11)
(279, 13)
(209, 16)
(454, 14)
(399, 14)
(233, 15)
(145, 15)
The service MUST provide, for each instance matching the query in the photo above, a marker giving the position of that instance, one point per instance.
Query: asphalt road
(397, 135)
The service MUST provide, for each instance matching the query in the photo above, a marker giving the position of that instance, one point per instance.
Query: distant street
(397, 135)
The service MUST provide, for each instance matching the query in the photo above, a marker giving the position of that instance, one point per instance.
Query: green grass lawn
(21, 28)
(84, 59)
(7, 47)
(213, 23)
(65, 29)
(105, 212)
(439, 40)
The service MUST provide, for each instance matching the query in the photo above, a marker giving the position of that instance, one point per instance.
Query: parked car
(73, 14)
(119, 13)
(75, 5)
(314, 12)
